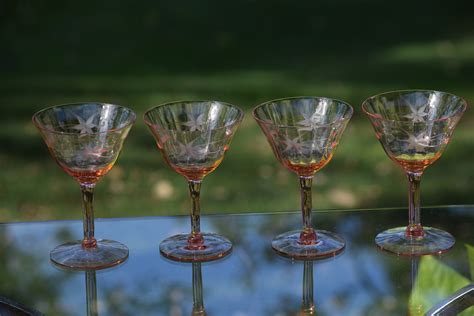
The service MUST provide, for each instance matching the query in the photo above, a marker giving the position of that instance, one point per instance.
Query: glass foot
(327, 245)
(72, 255)
(434, 241)
(176, 248)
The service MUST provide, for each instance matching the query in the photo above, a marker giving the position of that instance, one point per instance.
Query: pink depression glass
(303, 133)
(414, 128)
(85, 140)
(193, 137)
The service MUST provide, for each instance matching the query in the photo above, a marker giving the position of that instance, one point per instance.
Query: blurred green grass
(49, 59)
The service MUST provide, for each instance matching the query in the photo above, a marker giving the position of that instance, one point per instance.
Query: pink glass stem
(308, 235)
(89, 240)
(195, 240)
(414, 228)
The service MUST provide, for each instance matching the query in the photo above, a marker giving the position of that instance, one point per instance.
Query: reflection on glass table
(91, 293)
(307, 305)
(198, 300)
(91, 305)
(253, 280)
(198, 308)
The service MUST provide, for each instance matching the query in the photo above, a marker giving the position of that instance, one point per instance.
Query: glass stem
(307, 307)
(195, 239)
(414, 228)
(198, 302)
(89, 240)
(91, 294)
(415, 306)
(308, 235)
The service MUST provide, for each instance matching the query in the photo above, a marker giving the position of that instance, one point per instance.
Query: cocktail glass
(414, 128)
(193, 137)
(85, 140)
(303, 133)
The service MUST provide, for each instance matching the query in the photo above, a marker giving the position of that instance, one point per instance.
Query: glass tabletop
(253, 280)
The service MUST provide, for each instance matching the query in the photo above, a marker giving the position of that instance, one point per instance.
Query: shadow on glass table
(253, 280)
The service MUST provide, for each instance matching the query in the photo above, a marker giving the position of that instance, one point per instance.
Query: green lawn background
(148, 53)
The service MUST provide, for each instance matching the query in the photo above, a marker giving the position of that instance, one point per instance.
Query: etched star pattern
(292, 144)
(417, 114)
(191, 151)
(304, 148)
(196, 123)
(418, 143)
(310, 122)
(91, 154)
(85, 126)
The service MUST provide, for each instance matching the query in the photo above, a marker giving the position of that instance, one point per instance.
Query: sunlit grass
(457, 51)
(249, 179)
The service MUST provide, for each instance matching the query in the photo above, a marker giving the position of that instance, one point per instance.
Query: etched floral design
(310, 122)
(91, 154)
(418, 106)
(418, 142)
(417, 114)
(196, 123)
(292, 144)
(295, 146)
(191, 150)
(85, 126)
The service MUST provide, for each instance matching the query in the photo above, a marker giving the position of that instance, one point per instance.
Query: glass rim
(43, 128)
(379, 117)
(259, 120)
(153, 108)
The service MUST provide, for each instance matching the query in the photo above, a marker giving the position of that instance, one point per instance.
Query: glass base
(327, 245)
(72, 255)
(176, 248)
(434, 241)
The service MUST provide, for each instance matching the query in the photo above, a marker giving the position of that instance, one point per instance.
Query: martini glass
(193, 137)
(414, 128)
(303, 133)
(85, 140)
